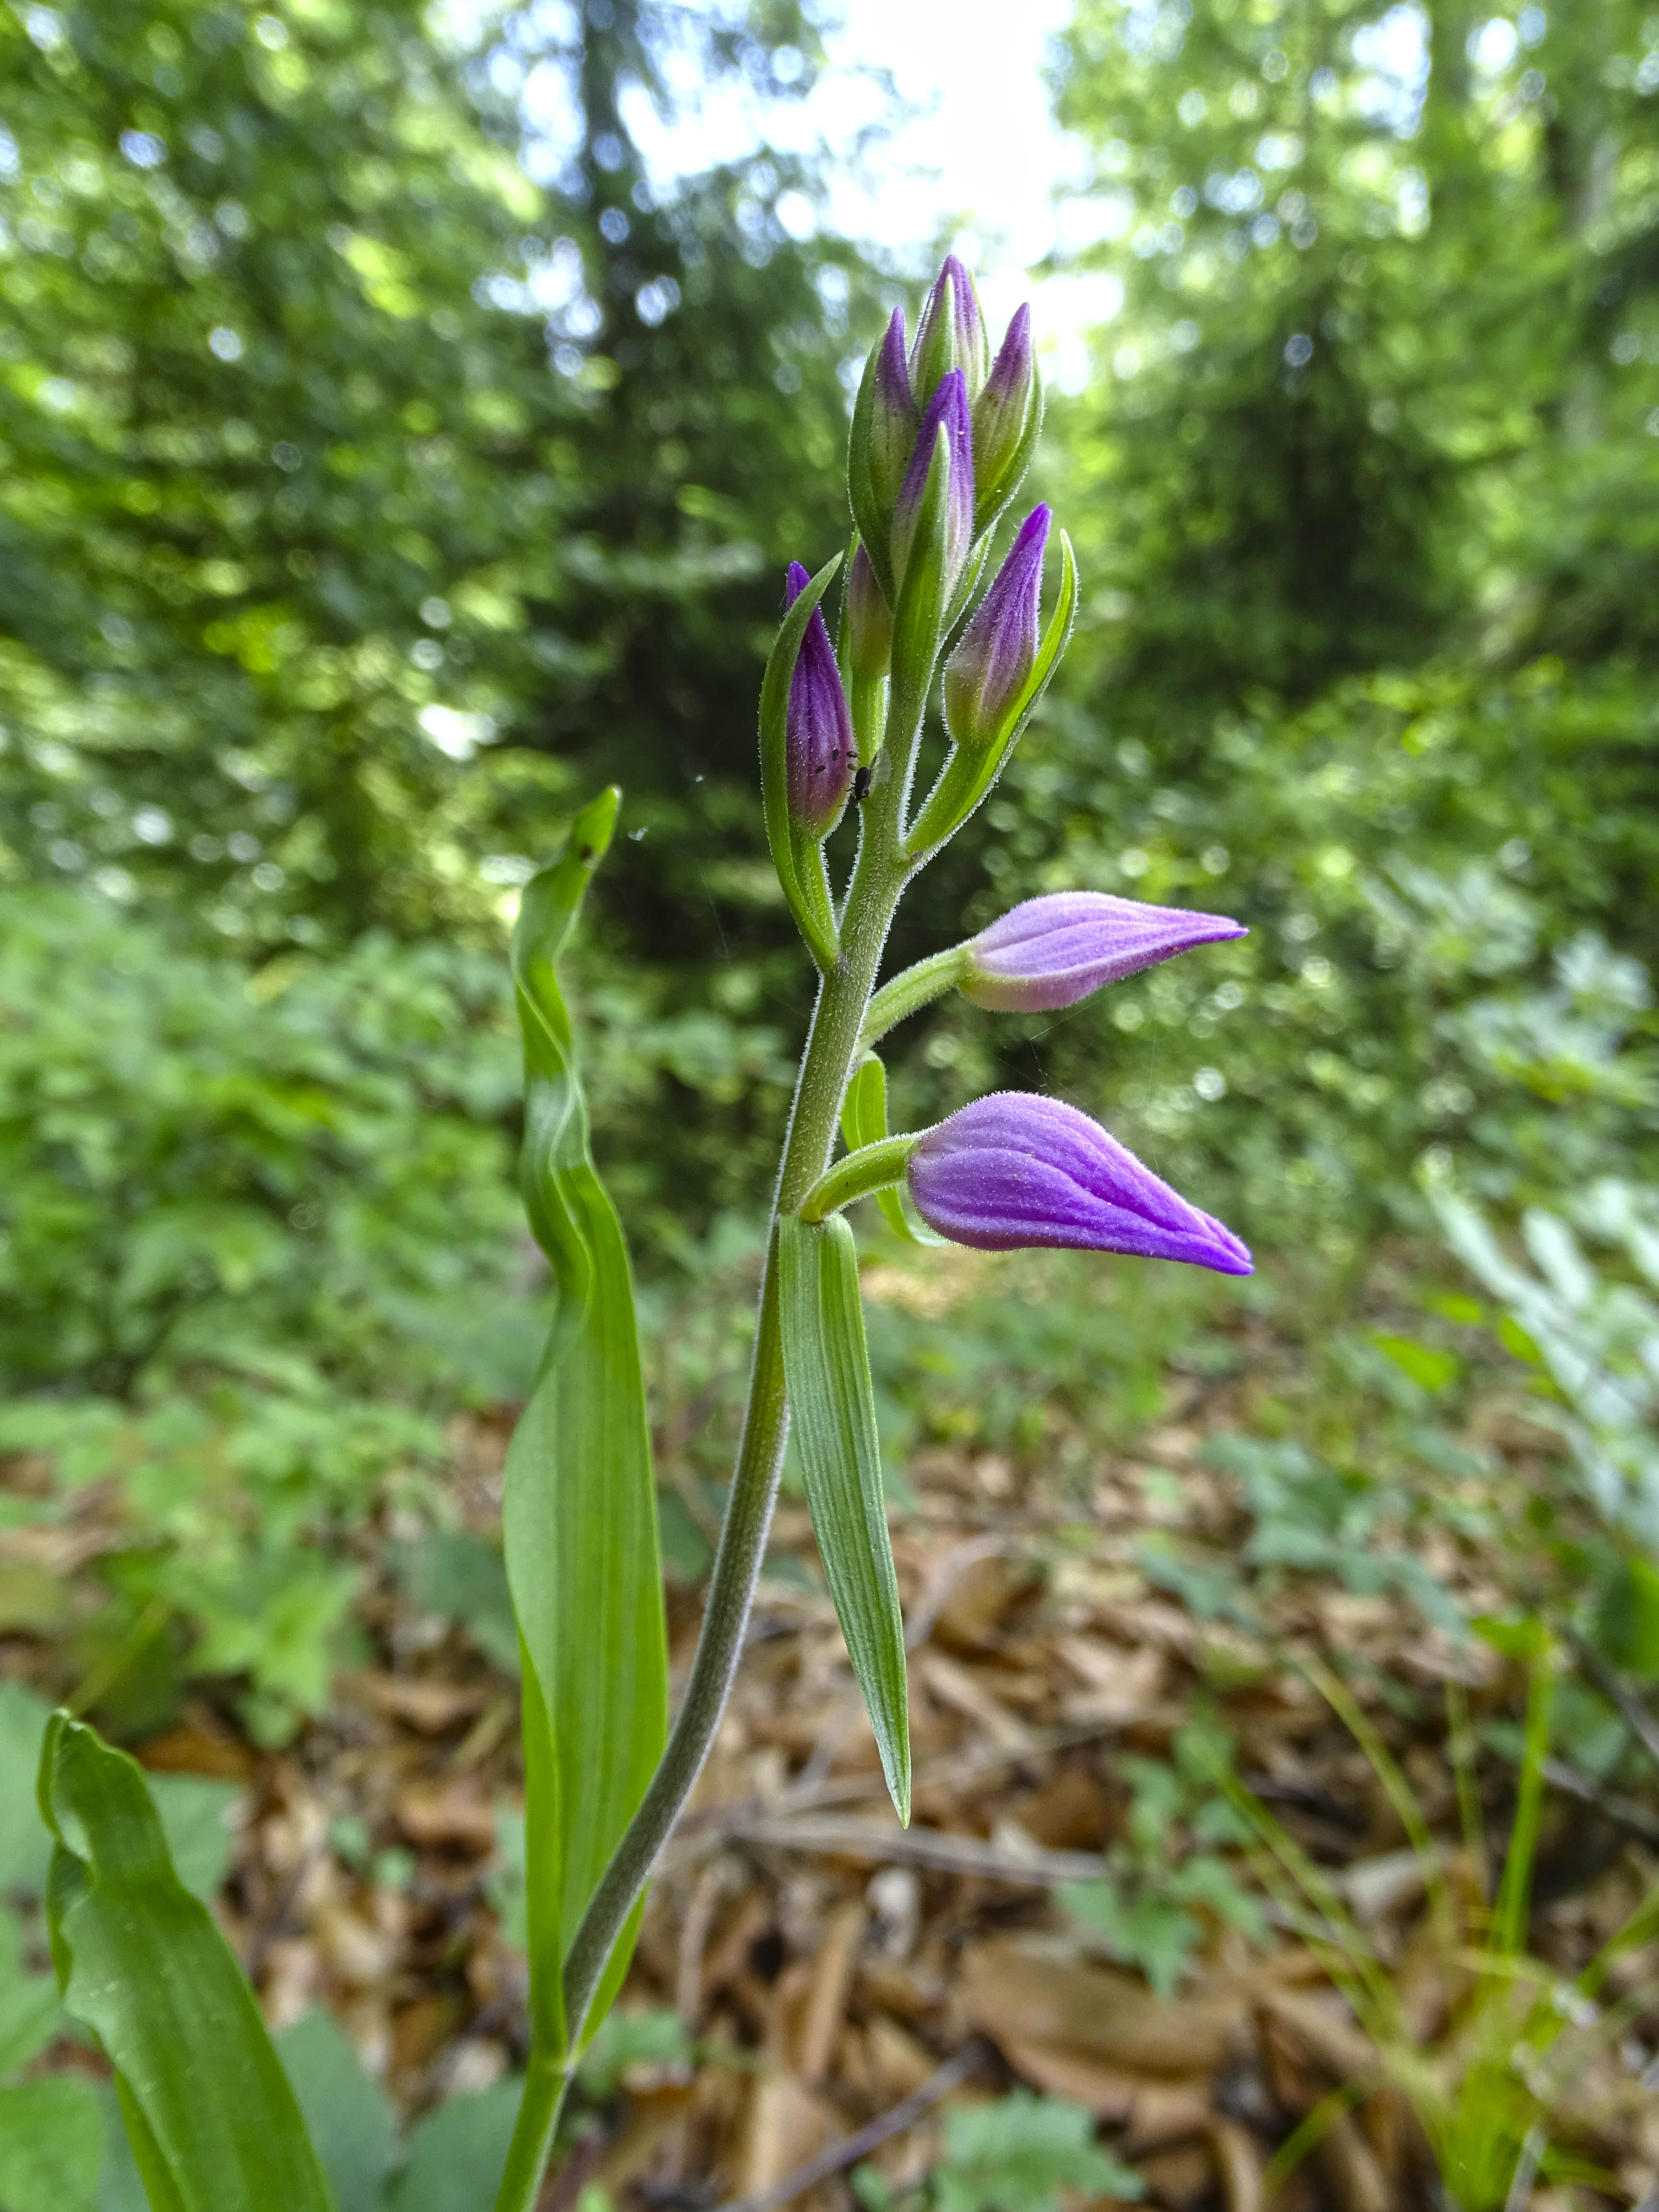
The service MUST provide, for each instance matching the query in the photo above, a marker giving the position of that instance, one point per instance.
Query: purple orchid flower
(1014, 1170)
(987, 671)
(1052, 951)
(947, 409)
(820, 752)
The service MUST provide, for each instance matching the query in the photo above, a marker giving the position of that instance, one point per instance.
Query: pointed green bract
(967, 777)
(212, 2120)
(579, 1509)
(826, 1369)
(864, 1123)
(797, 855)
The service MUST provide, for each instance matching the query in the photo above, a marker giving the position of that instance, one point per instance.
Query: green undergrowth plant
(1020, 2153)
(941, 437)
(1494, 2092)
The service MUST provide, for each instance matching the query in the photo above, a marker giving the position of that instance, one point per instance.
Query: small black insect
(861, 784)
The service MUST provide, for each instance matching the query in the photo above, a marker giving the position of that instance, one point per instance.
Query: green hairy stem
(833, 1048)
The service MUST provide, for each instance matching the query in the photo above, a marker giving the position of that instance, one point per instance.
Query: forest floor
(807, 1973)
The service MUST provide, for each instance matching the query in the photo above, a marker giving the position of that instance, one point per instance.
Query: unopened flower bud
(1003, 409)
(893, 418)
(985, 675)
(820, 753)
(947, 410)
(869, 623)
(1015, 1170)
(950, 334)
(1054, 951)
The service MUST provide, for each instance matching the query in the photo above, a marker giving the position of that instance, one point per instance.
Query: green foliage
(1017, 2153)
(1145, 1909)
(1490, 2091)
(256, 1240)
(141, 1962)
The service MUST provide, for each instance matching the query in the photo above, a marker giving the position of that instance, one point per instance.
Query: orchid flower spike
(947, 409)
(987, 672)
(820, 752)
(1051, 952)
(1015, 1170)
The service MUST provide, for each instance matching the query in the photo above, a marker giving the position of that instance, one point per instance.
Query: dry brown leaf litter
(828, 1963)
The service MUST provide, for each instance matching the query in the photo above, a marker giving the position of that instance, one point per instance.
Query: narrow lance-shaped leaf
(212, 2120)
(580, 1511)
(826, 1369)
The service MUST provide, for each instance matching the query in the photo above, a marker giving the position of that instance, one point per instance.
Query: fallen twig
(839, 2155)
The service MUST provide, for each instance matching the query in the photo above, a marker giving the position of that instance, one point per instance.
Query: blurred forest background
(366, 502)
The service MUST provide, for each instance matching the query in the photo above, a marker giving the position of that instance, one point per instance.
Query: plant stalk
(545, 2083)
(879, 877)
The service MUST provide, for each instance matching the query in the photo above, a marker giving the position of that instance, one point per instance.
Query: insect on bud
(950, 334)
(986, 674)
(819, 753)
(1002, 412)
(947, 411)
(869, 624)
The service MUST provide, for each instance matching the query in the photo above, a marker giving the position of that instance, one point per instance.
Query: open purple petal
(1052, 951)
(1014, 1170)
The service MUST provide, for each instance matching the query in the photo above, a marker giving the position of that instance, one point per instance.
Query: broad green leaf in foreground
(140, 1961)
(580, 1511)
(826, 1369)
(52, 2145)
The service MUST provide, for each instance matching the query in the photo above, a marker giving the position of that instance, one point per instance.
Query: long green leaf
(580, 1511)
(826, 1370)
(140, 1961)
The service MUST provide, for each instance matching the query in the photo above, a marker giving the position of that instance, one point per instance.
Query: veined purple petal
(1014, 1170)
(1052, 951)
(983, 676)
(949, 407)
(950, 333)
(820, 753)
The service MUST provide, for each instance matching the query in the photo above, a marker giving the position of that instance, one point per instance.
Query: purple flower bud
(820, 753)
(892, 417)
(1002, 408)
(1014, 1170)
(950, 334)
(1048, 952)
(948, 407)
(996, 652)
(869, 623)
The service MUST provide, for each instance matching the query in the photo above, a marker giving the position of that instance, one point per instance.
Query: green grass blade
(141, 1963)
(579, 1509)
(826, 1370)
